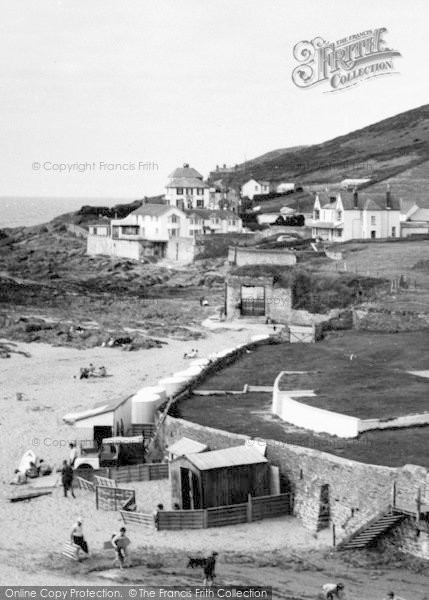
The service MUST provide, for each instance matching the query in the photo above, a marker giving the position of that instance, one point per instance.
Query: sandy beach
(48, 386)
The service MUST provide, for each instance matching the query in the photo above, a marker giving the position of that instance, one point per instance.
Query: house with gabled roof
(339, 216)
(203, 221)
(186, 189)
(255, 188)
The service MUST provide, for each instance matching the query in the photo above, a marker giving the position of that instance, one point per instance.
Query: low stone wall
(407, 538)
(333, 254)
(240, 256)
(377, 319)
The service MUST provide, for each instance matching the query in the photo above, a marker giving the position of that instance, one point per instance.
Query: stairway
(370, 532)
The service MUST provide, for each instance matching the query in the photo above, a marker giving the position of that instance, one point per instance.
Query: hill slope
(379, 151)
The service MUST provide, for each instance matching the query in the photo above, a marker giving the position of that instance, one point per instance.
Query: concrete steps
(372, 531)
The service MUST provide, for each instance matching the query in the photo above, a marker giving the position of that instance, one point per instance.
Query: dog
(196, 562)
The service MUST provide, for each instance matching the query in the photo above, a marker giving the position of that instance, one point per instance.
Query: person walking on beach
(76, 536)
(209, 569)
(393, 596)
(73, 454)
(120, 542)
(67, 479)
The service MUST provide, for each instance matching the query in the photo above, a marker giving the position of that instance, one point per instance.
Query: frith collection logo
(343, 63)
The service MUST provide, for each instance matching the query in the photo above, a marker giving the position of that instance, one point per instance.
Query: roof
(186, 446)
(184, 182)
(86, 414)
(206, 213)
(120, 439)
(185, 171)
(228, 457)
(152, 210)
(366, 201)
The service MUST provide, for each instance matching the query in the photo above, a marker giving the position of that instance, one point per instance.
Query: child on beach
(333, 590)
(120, 542)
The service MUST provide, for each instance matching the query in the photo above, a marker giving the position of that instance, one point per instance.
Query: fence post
(334, 537)
(205, 518)
(249, 508)
(96, 497)
(394, 495)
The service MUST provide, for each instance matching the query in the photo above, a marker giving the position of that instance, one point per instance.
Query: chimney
(388, 199)
(355, 198)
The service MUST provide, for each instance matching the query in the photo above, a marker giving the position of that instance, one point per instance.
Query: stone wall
(358, 492)
(278, 301)
(258, 256)
(405, 538)
(378, 319)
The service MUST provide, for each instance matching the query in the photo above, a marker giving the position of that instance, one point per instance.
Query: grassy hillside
(380, 150)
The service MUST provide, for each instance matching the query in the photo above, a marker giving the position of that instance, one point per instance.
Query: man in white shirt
(77, 536)
(74, 453)
(333, 590)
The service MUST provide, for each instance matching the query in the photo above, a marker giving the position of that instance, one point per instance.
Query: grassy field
(375, 383)
(385, 259)
(250, 414)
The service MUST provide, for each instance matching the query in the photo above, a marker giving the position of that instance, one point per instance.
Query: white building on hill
(253, 188)
(339, 216)
(186, 189)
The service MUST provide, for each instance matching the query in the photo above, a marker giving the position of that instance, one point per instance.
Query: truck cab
(113, 452)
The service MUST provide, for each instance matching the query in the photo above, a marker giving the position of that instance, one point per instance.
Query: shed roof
(228, 457)
(186, 446)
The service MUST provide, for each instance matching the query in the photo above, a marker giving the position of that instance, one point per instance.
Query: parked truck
(113, 452)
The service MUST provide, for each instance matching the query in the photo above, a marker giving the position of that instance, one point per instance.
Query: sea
(26, 211)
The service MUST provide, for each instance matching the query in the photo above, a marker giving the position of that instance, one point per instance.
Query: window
(200, 203)
(339, 215)
(179, 191)
(393, 231)
(189, 191)
(338, 233)
(373, 220)
(332, 199)
(174, 219)
(316, 214)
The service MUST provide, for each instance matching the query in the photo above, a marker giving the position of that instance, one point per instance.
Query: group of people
(91, 371)
(192, 354)
(35, 469)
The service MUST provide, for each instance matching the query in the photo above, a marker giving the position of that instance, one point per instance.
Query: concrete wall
(97, 244)
(256, 256)
(310, 417)
(181, 249)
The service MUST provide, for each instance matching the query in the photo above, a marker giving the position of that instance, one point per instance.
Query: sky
(163, 82)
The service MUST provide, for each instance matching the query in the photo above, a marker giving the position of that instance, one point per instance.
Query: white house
(154, 230)
(415, 218)
(252, 188)
(351, 184)
(340, 215)
(186, 189)
(203, 221)
(285, 187)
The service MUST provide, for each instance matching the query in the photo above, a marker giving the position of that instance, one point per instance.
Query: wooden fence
(144, 472)
(84, 484)
(109, 498)
(104, 482)
(262, 507)
(144, 519)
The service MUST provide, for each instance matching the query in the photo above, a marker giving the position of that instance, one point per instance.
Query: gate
(252, 301)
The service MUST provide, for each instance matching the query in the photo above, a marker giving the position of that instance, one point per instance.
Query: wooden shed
(219, 477)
